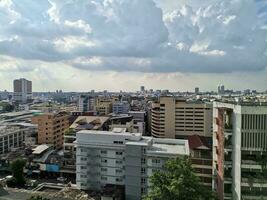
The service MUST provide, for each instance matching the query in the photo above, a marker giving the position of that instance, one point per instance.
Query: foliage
(17, 170)
(37, 198)
(177, 181)
(7, 107)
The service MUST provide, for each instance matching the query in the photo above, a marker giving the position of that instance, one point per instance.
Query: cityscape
(133, 100)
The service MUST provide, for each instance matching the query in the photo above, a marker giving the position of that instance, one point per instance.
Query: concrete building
(22, 90)
(201, 158)
(104, 105)
(240, 150)
(122, 159)
(11, 137)
(139, 119)
(81, 123)
(196, 90)
(51, 128)
(86, 103)
(121, 107)
(177, 118)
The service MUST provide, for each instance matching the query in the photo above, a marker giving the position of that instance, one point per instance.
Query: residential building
(139, 120)
(121, 107)
(51, 128)
(81, 123)
(104, 105)
(177, 118)
(240, 150)
(11, 137)
(201, 158)
(122, 159)
(22, 90)
(86, 103)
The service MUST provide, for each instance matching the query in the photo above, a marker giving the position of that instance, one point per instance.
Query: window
(155, 161)
(83, 159)
(143, 180)
(104, 178)
(143, 170)
(103, 152)
(143, 161)
(118, 153)
(118, 179)
(83, 176)
(118, 162)
(104, 169)
(83, 167)
(104, 161)
(118, 142)
(118, 171)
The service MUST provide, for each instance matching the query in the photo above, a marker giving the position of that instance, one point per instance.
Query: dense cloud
(137, 35)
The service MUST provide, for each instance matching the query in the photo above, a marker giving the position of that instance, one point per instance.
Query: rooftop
(89, 122)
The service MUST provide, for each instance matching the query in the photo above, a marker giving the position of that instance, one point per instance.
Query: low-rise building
(122, 159)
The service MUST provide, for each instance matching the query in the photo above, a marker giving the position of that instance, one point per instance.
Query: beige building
(51, 128)
(176, 118)
(103, 105)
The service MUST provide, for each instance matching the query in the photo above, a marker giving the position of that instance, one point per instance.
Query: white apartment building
(240, 150)
(123, 159)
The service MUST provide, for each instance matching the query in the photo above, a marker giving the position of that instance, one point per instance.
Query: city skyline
(180, 45)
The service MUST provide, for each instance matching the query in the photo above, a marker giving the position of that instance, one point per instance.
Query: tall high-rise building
(122, 159)
(176, 118)
(142, 88)
(240, 150)
(22, 90)
(51, 128)
(221, 89)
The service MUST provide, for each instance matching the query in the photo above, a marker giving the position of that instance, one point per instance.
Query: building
(142, 89)
(201, 158)
(81, 123)
(196, 90)
(122, 159)
(240, 150)
(11, 137)
(86, 103)
(121, 107)
(51, 128)
(22, 90)
(104, 105)
(177, 118)
(221, 89)
(139, 119)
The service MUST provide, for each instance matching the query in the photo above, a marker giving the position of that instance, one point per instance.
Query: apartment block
(22, 90)
(51, 128)
(122, 159)
(177, 118)
(240, 150)
(11, 137)
(104, 104)
(86, 103)
(120, 107)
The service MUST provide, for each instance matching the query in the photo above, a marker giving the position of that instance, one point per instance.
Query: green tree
(17, 170)
(37, 198)
(177, 181)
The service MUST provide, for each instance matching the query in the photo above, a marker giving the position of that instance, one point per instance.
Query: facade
(122, 159)
(201, 158)
(22, 90)
(103, 105)
(176, 118)
(139, 120)
(51, 128)
(240, 150)
(81, 123)
(120, 107)
(86, 103)
(11, 137)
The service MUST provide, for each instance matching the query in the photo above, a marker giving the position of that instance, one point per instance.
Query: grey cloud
(134, 35)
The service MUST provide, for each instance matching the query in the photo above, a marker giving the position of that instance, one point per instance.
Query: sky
(116, 45)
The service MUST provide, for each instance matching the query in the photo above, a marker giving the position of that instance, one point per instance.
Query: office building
(22, 90)
(221, 89)
(86, 103)
(196, 90)
(104, 104)
(176, 118)
(142, 88)
(51, 128)
(122, 159)
(240, 150)
(120, 107)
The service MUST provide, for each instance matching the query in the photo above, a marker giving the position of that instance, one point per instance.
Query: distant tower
(22, 90)
(196, 90)
(142, 88)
